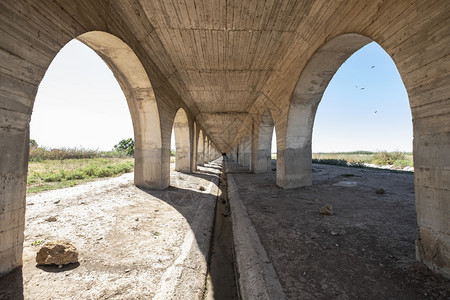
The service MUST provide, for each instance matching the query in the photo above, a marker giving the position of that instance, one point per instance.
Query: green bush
(387, 158)
(126, 146)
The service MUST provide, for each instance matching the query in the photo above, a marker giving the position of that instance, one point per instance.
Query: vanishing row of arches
(153, 121)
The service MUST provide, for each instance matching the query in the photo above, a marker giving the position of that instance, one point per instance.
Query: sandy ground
(365, 250)
(133, 243)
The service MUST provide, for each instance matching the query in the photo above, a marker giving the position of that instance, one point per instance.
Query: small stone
(334, 233)
(327, 210)
(202, 188)
(57, 201)
(51, 219)
(127, 270)
(379, 191)
(58, 253)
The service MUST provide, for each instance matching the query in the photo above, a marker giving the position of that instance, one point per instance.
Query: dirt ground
(132, 243)
(365, 250)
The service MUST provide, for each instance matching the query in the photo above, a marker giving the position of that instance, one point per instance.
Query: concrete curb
(256, 276)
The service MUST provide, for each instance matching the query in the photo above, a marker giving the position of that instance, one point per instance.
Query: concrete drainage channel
(239, 267)
(221, 281)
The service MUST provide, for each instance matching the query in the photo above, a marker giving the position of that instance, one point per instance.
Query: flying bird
(373, 67)
(362, 88)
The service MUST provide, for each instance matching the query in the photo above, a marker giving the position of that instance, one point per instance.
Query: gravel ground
(132, 243)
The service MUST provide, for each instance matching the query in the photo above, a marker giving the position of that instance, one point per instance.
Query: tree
(126, 146)
(33, 143)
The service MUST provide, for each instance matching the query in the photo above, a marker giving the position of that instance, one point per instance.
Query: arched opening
(182, 142)
(138, 91)
(309, 90)
(368, 93)
(263, 162)
(304, 101)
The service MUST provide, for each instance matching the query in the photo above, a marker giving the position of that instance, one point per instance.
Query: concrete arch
(182, 142)
(263, 143)
(431, 189)
(141, 100)
(314, 79)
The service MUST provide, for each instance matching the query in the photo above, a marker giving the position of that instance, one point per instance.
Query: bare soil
(365, 250)
(132, 243)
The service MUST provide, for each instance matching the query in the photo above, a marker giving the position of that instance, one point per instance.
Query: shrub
(126, 146)
(387, 158)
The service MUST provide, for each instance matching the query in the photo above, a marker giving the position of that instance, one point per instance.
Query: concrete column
(194, 152)
(241, 152)
(263, 144)
(14, 149)
(432, 185)
(294, 163)
(200, 143)
(247, 152)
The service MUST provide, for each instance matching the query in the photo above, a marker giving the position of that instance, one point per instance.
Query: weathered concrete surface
(224, 64)
(256, 275)
(365, 250)
(133, 243)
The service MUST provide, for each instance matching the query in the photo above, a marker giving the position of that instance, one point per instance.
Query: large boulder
(58, 253)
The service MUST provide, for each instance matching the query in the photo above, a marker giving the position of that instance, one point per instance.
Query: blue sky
(80, 104)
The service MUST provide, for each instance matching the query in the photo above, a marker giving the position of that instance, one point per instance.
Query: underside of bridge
(222, 73)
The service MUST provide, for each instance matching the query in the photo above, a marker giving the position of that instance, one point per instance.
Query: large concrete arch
(305, 99)
(263, 143)
(182, 142)
(433, 243)
(140, 96)
(138, 91)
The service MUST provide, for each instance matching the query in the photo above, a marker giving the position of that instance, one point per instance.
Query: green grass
(55, 174)
(43, 153)
(358, 158)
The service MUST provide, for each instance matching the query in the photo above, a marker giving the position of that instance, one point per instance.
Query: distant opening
(364, 110)
(273, 150)
(181, 133)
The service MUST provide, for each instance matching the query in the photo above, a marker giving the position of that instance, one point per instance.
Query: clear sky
(80, 104)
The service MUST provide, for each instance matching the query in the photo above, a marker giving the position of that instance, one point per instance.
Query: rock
(57, 252)
(327, 210)
(379, 191)
(51, 219)
(334, 233)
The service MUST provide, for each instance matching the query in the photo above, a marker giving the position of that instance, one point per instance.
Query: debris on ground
(51, 219)
(327, 210)
(58, 253)
(379, 191)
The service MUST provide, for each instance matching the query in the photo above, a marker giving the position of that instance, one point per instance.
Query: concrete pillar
(14, 149)
(200, 145)
(247, 152)
(294, 163)
(263, 144)
(241, 152)
(194, 152)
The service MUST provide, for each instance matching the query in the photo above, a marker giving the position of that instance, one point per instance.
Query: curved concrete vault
(225, 64)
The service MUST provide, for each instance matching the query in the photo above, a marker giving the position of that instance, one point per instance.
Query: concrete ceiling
(223, 53)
